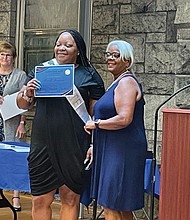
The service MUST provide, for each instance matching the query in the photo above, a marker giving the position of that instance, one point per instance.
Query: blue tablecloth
(14, 173)
(148, 178)
(14, 169)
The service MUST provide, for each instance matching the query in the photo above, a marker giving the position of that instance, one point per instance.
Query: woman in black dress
(58, 142)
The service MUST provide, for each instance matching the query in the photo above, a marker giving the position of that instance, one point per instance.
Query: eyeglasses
(112, 55)
(7, 55)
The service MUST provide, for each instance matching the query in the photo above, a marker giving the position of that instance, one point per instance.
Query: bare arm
(21, 127)
(25, 98)
(126, 94)
(91, 106)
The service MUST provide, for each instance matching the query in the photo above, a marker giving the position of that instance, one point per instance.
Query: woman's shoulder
(18, 70)
(130, 77)
(93, 75)
(17, 73)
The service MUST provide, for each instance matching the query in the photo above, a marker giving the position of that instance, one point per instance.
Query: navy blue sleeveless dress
(119, 158)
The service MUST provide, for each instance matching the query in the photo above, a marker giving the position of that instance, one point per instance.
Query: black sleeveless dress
(58, 140)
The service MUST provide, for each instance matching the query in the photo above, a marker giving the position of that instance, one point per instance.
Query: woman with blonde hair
(11, 81)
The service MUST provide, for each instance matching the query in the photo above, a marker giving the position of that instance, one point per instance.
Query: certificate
(56, 80)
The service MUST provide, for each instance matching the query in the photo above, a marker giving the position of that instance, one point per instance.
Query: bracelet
(22, 122)
(26, 98)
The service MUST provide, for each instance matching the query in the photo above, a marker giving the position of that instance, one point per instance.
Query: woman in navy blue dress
(119, 138)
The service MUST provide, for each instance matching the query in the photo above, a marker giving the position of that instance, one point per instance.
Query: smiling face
(6, 58)
(65, 50)
(115, 64)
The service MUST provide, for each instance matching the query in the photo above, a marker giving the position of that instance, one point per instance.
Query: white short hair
(125, 50)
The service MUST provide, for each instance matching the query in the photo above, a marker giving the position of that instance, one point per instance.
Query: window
(39, 22)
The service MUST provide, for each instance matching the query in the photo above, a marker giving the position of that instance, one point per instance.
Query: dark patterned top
(3, 81)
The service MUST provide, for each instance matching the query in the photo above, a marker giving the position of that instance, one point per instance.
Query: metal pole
(81, 211)
(154, 148)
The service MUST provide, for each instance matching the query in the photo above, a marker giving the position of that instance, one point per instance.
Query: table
(14, 169)
(13, 173)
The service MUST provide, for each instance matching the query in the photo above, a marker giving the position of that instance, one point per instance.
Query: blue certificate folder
(56, 80)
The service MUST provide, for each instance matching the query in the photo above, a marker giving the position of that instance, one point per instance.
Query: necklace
(117, 79)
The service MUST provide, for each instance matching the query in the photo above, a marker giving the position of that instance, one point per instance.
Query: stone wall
(160, 34)
(8, 20)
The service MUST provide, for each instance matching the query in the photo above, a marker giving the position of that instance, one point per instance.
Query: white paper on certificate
(56, 80)
(9, 107)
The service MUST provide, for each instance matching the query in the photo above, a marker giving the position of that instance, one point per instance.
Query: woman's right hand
(1, 100)
(31, 86)
(25, 98)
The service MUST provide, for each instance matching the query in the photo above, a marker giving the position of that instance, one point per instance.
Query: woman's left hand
(21, 131)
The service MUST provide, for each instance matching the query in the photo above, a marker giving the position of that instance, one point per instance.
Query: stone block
(138, 68)
(101, 68)
(183, 35)
(122, 1)
(167, 5)
(101, 2)
(97, 53)
(143, 23)
(183, 98)
(182, 12)
(155, 37)
(106, 76)
(5, 5)
(157, 84)
(143, 6)
(106, 20)
(100, 39)
(183, 58)
(181, 7)
(5, 23)
(168, 58)
(152, 103)
(125, 9)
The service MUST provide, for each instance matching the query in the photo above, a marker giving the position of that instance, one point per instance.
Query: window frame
(84, 27)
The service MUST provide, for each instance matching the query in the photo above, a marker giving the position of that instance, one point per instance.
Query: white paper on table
(9, 107)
